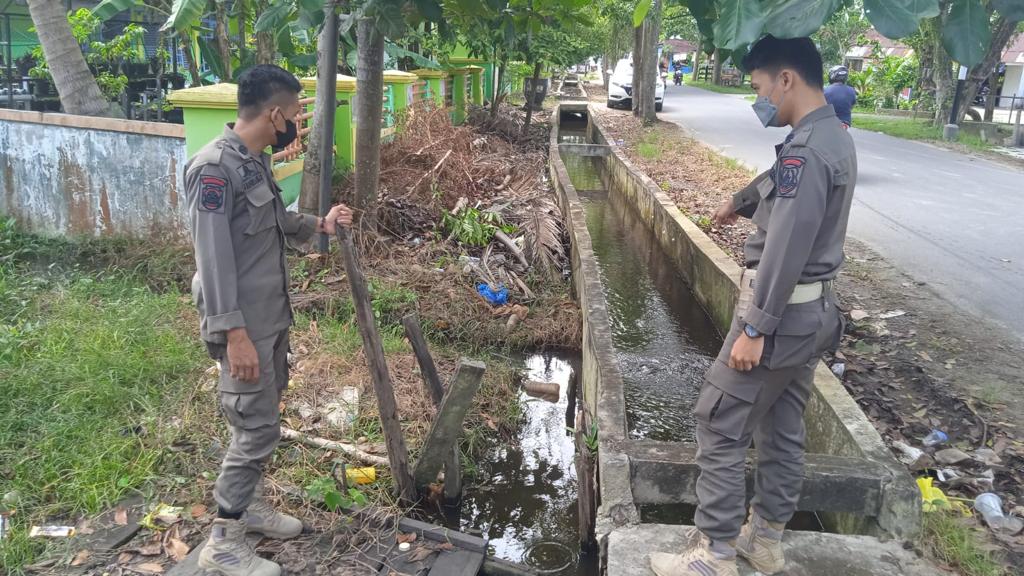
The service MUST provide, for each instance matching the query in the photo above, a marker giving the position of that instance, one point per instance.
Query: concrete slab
(807, 553)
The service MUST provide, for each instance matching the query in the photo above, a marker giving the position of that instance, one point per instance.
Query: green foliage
(390, 303)
(958, 545)
(184, 15)
(880, 84)
(643, 7)
(739, 23)
(839, 33)
(966, 34)
(326, 489)
(473, 227)
(1012, 9)
(899, 18)
(796, 18)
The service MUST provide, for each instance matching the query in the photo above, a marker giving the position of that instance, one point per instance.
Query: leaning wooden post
(445, 431)
(452, 467)
(373, 348)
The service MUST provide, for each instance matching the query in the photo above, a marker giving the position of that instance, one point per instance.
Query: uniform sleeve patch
(790, 169)
(211, 194)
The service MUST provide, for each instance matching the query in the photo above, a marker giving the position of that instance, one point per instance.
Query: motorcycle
(677, 78)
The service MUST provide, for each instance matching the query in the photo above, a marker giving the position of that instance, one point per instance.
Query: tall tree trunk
(265, 49)
(499, 92)
(716, 77)
(243, 24)
(1002, 32)
(531, 99)
(369, 106)
(638, 66)
(79, 93)
(990, 100)
(190, 59)
(607, 62)
(221, 36)
(696, 57)
(161, 40)
(309, 189)
(652, 67)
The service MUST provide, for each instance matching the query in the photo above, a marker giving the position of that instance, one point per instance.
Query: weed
(913, 129)
(702, 222)
(325, 488)
(473, 227)
(649, 146)
(956, 544)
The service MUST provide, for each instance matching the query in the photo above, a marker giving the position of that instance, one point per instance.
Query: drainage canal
(664, 340)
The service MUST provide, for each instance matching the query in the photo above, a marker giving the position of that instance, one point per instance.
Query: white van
(620, 87)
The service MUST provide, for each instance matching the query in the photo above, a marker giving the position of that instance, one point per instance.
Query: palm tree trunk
(190, 58)
(265, 49)
(369, 107)
(79, 93)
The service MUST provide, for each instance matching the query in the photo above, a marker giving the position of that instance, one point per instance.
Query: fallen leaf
(924, 355)
(121, 516)
(149, 568)
(176, 549)
(421, 553)
(198, 511)
(921, 413)
(81, 557)
(403, 538)
(447, 547)
(125, 557)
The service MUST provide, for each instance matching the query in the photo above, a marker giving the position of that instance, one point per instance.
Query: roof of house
(679, 45)
(1014, 53)
(889, 47)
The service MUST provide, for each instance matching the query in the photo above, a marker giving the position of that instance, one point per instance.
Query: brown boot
(227, 553)
(698, 561)
(261, 517)
(760, 544)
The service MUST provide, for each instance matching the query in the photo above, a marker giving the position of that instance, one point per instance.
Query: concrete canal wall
(851, 479)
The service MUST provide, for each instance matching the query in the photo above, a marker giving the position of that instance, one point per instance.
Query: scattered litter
(858, 315)
(951, 456)
(987, 456)
(991, 508)
(935, 438)
(947, 474)
(51, 532)
(366, 475)
(162, 516)
(341, 414)
(935, 499)
(543, 390)
(3, 525)
(913, 457)
(404, 546)
(839, 369)
(892, 314)
(494, 296)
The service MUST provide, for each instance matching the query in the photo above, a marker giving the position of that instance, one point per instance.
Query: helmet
(838, 74)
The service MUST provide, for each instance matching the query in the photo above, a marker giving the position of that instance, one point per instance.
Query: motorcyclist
(839, 95)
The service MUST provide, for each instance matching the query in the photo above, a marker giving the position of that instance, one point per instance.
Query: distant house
(1013, 77)
(858, 56)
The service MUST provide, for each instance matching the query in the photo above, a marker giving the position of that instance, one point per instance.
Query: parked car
(620, 86)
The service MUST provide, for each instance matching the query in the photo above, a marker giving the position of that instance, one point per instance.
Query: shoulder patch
(790, 168)
(211, 194)
(251, 174)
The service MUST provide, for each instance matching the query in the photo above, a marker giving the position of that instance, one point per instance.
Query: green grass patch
(955, 543)
(744, 89)
(913, 129)
(92, 370)
(649, 146)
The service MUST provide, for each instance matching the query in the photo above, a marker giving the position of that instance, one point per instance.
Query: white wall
(1013, 83)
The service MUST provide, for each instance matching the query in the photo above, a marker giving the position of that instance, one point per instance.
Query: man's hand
(338, 214)
(726, 213)
(242, 357)
(746, 353)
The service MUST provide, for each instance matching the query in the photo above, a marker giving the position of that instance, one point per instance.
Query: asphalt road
(947, 219)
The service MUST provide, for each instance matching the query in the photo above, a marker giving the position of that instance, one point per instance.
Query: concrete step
(807, 553)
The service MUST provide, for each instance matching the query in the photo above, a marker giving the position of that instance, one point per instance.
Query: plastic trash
(933, 498)
(367, 475)
(494, 297)
(990, 506)
(935, 438)
(839, 368)
(908, 454)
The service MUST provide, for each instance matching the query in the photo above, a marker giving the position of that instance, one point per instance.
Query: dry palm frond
(542, 236)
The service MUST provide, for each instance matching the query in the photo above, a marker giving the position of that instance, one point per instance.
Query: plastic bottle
(935, 438)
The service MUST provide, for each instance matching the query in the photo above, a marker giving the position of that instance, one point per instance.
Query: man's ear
(787, 78)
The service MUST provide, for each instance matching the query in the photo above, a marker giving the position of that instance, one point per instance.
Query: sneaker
(700, 561)
(760, 544)
(261, 517)
(227, 553)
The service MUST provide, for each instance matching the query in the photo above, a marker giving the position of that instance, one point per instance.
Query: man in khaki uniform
(785, 318)
(239, 229)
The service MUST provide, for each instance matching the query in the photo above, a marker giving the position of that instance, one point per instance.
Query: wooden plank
(457, 563)
(373, 553)
(452, 467)
(401, 564)
(442, 534)
(373, 349)
(95, 123)
(107, 535)
(447, 427)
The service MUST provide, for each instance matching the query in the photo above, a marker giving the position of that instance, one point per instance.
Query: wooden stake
(452, 467)
(445, 431)
(373, 348)
(586, 498)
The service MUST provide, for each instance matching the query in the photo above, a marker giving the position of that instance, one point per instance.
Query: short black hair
(800, 54)
(262, 83)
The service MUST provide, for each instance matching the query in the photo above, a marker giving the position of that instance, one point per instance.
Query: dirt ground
(913, 361)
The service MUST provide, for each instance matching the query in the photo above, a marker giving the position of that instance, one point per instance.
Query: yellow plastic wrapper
(934, 499)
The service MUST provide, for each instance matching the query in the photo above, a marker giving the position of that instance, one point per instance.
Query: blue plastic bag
(497, 297)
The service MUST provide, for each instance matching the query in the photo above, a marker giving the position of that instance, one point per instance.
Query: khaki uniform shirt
(801, 208)
(239, 228)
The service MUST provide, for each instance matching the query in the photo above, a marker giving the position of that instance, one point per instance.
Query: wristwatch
(750, 331)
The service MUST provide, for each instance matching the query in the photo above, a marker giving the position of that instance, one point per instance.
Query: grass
(913, 129)
(94, 366)
(745, 89)
(956, 544)
(649, 146)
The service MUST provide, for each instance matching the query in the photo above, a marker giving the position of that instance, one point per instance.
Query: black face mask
(291, 131)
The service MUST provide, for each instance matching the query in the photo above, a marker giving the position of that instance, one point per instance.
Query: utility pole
(951, 131)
